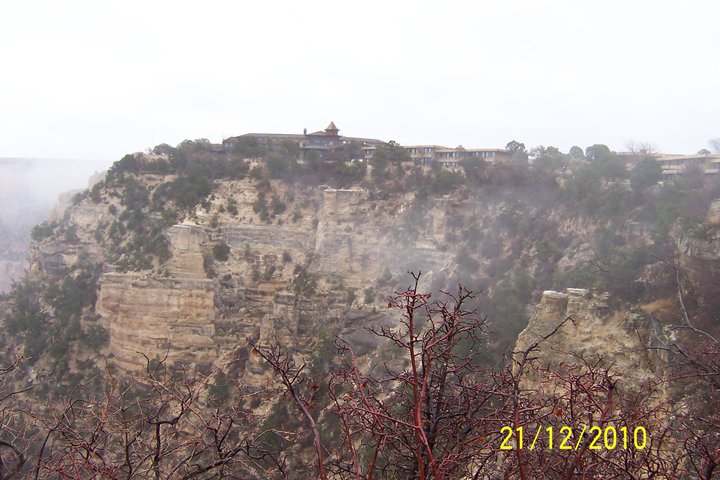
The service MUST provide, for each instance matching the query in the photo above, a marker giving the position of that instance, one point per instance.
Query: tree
(434, 424)
(445, 181)
(646, 173)
(386, 156)
(715, 144)
(153, 425)
(297, 384)
(437, 413)
(576, 152)
(517, 150)
(431, 412)
(514, 146)
(547, 161)
(695, 363)
(598, 152)
(474, 169)
(14, 432)
(605, 162)
(281, 166)
(221, 252)
(642, 149)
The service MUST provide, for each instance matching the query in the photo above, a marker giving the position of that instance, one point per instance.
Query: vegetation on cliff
(290, 266)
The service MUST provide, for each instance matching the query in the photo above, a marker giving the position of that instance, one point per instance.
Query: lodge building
(330, 138)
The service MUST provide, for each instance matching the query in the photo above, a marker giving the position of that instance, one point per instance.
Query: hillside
(182, 256)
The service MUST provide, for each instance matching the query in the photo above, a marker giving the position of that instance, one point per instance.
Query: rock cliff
(594, 332)
(284, 282)
(154, 317)
(190, 268)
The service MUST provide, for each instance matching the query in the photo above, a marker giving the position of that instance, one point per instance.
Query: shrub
(268, 273)
(387, 275)
(96, 337)
(232, 207)
(646, 173)
(305, 283)
(221, 252)
(128, 163)
(208, 266)
(219, 391)
(369, 295)
(71, 234)
(95, 195)
(42, 231)
(351, 296)
(277, 205)
(445, 181)
(260, 207)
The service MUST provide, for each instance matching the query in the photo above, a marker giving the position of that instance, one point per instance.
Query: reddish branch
(291, 377)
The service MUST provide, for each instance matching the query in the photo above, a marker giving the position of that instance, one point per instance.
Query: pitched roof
(332, 126)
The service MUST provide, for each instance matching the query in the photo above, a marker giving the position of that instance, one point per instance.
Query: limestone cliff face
(76, 246)
(698, 256)
(186, 246)
(324, 261)
(594, 332)
(713, 216)
(154, 316)
(158, 316)
(319, 266)
(341, 245)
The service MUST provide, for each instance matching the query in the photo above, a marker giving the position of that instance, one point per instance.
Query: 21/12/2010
(608, 438)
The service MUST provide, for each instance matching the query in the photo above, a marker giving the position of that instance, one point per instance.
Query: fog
(102, 79)
(34, 181)
(29, 190)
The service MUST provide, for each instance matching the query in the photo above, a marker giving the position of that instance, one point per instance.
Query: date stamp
(568, 438)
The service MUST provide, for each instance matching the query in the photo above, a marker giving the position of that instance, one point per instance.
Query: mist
(41, 181)
(29, 190)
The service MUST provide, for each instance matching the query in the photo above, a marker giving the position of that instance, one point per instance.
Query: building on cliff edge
(330, 139)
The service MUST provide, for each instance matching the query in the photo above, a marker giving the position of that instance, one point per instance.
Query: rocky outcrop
(321, 263)
(186, 247)
(713, 217)
(156, 317)
(341, 243)
(699, 251)
(193, 307)
(594, 332)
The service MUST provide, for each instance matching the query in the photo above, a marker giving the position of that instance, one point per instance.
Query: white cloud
(99, 79)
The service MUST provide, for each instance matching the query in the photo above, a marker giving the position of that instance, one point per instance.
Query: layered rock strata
(620, 337)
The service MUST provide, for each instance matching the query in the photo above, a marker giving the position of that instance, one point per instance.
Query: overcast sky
(98, 79)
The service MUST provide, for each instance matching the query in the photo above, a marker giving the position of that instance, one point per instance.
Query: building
(423, 155)
(426, 155)
(320, 141)
(330, 139)
(367, 153)
(677, 164)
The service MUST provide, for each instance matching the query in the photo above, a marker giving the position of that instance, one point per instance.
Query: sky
(95, 80)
